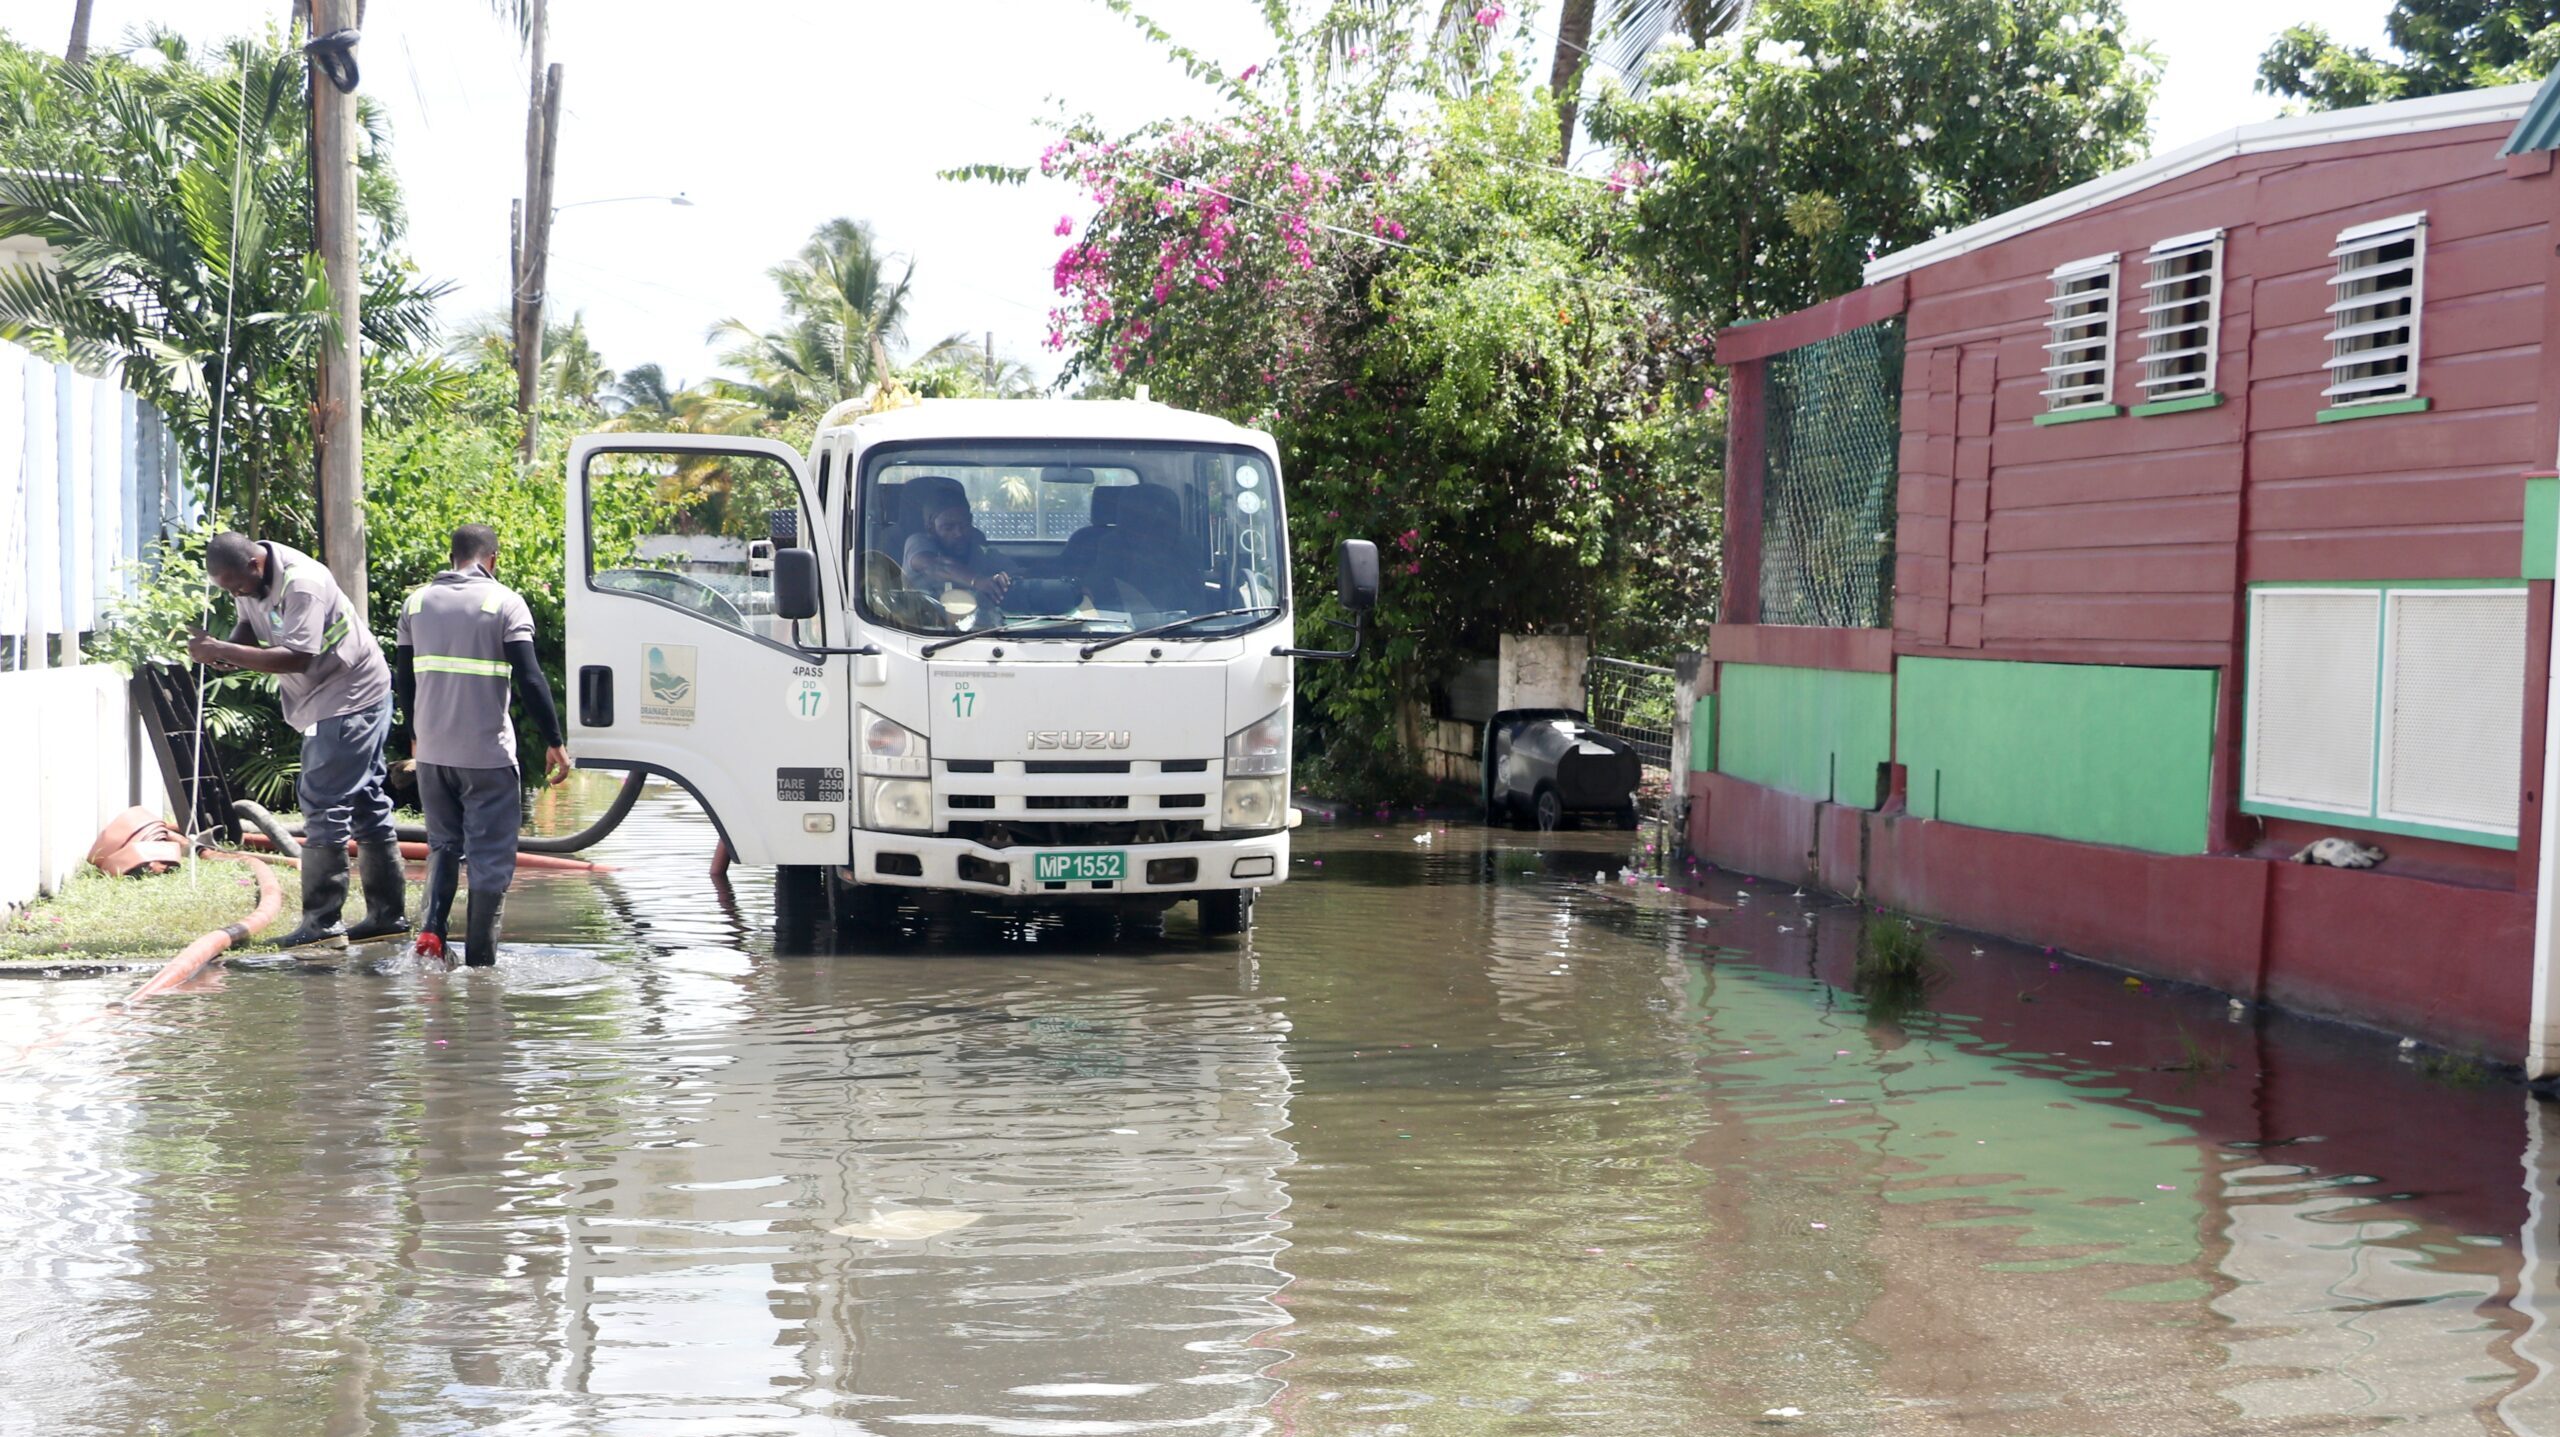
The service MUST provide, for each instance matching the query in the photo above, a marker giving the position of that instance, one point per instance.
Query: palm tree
(1626, 32)
(844, 317)
(178, 214)
(76, 53)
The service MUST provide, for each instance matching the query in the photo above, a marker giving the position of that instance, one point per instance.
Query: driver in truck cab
(950, 550)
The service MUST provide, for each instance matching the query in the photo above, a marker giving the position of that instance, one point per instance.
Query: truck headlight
(902, 805)
(1260, 749)
(1254, 803)
(891, 748)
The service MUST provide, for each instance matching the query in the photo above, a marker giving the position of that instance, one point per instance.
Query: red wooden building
(2093, 560)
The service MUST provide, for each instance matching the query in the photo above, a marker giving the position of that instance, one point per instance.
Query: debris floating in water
(907, 1224)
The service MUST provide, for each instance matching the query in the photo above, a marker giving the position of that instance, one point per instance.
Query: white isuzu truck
(1033, 651)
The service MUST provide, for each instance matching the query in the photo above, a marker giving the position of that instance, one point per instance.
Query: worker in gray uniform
(462, 639)
(296, 623)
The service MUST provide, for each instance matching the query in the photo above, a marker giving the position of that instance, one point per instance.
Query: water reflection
(1475, 1136)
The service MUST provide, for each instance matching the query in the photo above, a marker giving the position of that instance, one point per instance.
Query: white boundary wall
(74, 759)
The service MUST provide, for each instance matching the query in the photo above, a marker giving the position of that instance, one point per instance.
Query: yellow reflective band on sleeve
(417, 601)
(489, 604)
(487, 668)
(337, 630)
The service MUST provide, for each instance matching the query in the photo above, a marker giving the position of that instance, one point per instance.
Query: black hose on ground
(584, 838)
(286, 840)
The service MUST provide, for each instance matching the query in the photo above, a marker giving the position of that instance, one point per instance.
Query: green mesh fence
(1834, 433)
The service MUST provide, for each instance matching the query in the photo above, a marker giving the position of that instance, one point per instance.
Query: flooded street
(1470, 1136)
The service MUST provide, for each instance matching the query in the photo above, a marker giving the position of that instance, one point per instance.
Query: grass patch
(2454, 1070)
(2197, 1055)
(1895, 968)
(1894, 951)
(96, 918)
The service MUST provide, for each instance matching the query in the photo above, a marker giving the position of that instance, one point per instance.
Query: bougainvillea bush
(1368, 250)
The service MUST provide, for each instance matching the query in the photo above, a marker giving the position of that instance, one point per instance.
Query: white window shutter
(2080, 360)
(2181, 302)
(2312, 674)
(2453, 708)
(2376, 294)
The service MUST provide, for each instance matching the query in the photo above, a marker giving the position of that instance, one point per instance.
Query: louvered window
(2080, 359)
(2399, 709)
(2180, 303)
(2373, 315)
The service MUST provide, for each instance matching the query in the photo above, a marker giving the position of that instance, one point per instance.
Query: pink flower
(1489, 16)
(1414, 568)
(1249, 72)
(1066, 225)
(1408, 539)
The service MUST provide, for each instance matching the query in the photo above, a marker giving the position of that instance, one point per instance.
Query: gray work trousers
(341, 783)
(473, 815)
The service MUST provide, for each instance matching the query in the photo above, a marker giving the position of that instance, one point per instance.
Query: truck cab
(1035, 652)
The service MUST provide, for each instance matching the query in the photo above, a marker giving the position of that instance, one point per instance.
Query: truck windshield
(1101, 538)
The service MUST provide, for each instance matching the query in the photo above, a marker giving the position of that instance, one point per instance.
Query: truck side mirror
(1356, 575)
(795, 584)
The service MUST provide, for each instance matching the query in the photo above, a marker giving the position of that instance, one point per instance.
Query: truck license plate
(1091, 865)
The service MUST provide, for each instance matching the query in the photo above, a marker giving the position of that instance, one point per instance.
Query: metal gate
(1634, 702)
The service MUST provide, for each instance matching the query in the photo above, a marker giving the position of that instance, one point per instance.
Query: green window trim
(2179, 405)
(2417, 405)
(2372, 823)
(2078, 412)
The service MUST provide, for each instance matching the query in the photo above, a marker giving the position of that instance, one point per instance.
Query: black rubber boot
(480, 944)
(386, 892)
(324, 898)
(444, 872)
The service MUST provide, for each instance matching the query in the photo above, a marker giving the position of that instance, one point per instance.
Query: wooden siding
(2130, 540)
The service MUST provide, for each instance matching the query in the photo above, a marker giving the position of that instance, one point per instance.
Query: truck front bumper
(958, 865)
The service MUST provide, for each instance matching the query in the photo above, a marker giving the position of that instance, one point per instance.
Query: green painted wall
(1702, 735)
(2082, 751)
(1817, 732)
(2542, 528)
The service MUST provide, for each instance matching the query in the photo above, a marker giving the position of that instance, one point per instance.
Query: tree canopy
(1770, 164)
(2443, 45)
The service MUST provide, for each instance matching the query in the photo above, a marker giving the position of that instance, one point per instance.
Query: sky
(772, 116)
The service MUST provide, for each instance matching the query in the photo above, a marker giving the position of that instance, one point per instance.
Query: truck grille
(1022, 793)
(1018, 833)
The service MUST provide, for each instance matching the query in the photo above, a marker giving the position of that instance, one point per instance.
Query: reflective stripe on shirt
(438, 664)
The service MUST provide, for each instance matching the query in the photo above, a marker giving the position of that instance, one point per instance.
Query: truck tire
(865, 909)
(799, 908)
(1226, 912)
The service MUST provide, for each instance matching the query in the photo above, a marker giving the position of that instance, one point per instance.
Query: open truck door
(684, 659)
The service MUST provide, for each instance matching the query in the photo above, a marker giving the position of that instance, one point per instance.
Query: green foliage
(1447, 339)
(1771, 163)
(2443, 45)
(2197, 1055)
(140, 176)
(1894, 952)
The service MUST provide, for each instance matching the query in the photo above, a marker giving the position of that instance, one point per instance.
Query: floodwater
(1472, 1136)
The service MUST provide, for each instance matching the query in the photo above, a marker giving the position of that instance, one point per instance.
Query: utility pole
(991, 362)
(531, 257)
(338, 426)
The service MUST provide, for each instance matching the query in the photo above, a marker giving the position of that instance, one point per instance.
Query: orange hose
(190, 960)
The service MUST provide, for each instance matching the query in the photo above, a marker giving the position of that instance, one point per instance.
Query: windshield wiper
(1089, 650)
(1001, 631)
